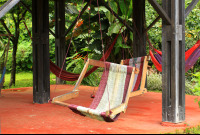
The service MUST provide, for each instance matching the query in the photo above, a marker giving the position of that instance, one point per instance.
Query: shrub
(154, 82)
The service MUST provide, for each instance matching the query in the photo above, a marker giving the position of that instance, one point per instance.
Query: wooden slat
(61, 103)
(81, 75)
(66, 96)
(130, 87)
(8, 35)
(160, 11)
(138, 92)
(116, 110)
(144, 73)
(97, 63)
(153, 23)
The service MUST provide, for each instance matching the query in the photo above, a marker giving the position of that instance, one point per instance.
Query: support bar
(152, 24)
(121, 20)
(74, 22)
(24, 5)
(160, 11)
(190, 7)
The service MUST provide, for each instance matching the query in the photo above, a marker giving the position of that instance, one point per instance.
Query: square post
(173, 62)
(60, 45)
(139, 49)
(41, 64)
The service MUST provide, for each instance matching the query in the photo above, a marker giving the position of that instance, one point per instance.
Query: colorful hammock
(191, 57)
(73, 77)
(117, 80)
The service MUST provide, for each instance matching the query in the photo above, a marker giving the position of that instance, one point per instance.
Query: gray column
(173, 62)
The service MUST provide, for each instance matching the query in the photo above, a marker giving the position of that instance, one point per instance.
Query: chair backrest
(141, 64)
(113, 87)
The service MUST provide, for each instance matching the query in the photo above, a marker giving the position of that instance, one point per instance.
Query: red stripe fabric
(100, 92)
(73, 77)
(191, 50)
(155, 62)
(128, 77)
(101, 88)
(139, 76)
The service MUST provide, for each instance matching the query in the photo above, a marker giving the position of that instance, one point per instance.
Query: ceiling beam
(28, 9)
(153, 23)
(190, 7)
(160, 11)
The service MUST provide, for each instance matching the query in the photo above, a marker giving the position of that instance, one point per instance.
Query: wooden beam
(190, 7)
(60, 45)
(27, 8)
(121, 20)
(81, 76)
(153, 23)
(138, 92)
(8, 35)
(144, 73)
(78, 17)
(160, 11)
(41, 65)
(66, 96)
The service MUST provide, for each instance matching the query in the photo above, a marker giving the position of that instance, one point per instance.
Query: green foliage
(196, 79)
(196, 89)
(154, 82)
(77, 65)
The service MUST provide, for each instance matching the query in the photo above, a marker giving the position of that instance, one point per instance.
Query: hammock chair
(3, 61)
(140, 78)
(117, 80)
(191, 57)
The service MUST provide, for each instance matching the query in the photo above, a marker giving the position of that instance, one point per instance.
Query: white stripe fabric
(115, 90)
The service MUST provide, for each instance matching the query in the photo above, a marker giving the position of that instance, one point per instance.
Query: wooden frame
(142, 89)
(75, 92)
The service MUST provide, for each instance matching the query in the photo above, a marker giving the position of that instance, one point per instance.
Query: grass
(24, 79)
(194, 130)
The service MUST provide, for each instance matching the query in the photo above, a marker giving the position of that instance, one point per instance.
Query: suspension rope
(67, 52)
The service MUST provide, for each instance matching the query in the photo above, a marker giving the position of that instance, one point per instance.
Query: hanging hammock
(73, 77)
(191, 56)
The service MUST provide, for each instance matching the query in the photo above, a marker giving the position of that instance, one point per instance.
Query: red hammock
(188, 53)
(73, 77)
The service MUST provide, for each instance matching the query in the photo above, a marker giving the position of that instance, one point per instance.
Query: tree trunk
(13, 71)
(15, 43)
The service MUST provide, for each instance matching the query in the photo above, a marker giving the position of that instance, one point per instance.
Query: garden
(86, 43)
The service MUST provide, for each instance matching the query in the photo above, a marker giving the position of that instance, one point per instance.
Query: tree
(16, 15)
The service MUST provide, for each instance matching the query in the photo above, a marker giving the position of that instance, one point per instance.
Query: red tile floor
(18, 114)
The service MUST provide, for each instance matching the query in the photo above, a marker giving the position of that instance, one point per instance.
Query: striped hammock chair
(112, 95)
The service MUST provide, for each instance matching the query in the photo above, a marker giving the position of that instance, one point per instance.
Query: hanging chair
(140, 78)
(191, 57)
(117, 80)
